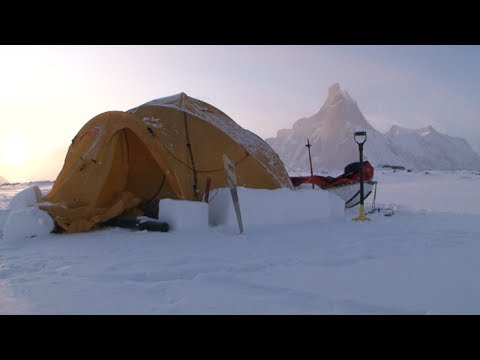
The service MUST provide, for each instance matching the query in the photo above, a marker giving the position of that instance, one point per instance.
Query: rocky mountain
(426, 148)
(330, 131)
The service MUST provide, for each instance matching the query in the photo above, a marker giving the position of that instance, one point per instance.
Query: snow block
(274, 207)
(3, 217)
(183, 214)
(25, 198)
(27, 223)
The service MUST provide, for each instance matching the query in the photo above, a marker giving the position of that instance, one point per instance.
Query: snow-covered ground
(421, 260)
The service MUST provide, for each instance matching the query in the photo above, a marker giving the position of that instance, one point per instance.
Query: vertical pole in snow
(360, 138)
(232, 183)
(310, 159)
(207, 188)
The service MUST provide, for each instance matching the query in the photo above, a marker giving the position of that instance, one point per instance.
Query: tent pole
(189, 146)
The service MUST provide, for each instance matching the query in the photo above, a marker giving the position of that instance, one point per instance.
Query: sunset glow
(47, 93)
(14, 149)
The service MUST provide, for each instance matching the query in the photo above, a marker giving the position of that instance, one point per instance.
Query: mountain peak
(397, 130)
(427, 130)
(337, 95)
(334, 88)
(330, 133)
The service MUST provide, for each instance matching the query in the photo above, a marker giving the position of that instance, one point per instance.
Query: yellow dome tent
(166, 148)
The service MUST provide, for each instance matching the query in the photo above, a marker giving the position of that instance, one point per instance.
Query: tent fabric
(123, 161)
(351, 175)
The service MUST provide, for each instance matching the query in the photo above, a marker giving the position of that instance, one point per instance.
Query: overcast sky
(47, 93)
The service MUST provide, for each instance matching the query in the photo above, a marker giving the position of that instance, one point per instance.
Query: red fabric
(326, 182)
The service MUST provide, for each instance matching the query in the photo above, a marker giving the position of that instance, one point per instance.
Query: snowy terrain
(426, 148)
(330, 131)
(421, 260)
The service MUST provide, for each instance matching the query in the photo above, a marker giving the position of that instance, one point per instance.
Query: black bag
(152, 225)
(351, 169)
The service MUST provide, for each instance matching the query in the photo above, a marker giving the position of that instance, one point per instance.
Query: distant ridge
(331, 129)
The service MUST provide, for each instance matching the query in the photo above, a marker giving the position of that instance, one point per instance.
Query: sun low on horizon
(22, 159)
(14, 147)
(14, 154)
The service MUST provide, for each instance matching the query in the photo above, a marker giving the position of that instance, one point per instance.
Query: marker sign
(232, 183)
